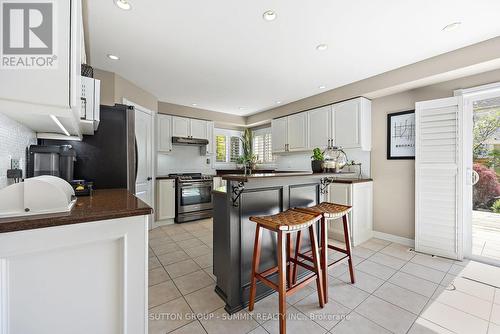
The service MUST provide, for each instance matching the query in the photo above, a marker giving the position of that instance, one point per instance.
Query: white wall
(301, 161)
(184, 159)
(14, 138)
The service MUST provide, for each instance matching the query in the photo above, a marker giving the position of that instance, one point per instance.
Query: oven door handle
(194, 185)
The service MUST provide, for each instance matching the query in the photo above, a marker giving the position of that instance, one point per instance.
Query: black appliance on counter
(55, 160)
(108, 159)
(193, 198)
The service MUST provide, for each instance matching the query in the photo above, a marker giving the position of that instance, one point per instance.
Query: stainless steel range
(193, 196)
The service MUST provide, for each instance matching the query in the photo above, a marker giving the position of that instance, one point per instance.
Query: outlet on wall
(14, 163)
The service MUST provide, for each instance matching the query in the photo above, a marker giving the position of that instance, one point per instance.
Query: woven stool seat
(290, 220)
(329, 210)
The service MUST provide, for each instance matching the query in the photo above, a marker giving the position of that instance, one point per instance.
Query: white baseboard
(394, 238)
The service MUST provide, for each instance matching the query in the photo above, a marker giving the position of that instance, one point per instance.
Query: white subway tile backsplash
(14, 139)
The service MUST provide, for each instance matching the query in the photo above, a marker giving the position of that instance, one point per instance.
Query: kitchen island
(83, 271)
(259, 195)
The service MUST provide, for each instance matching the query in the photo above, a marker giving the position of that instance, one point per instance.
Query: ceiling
(222, 56)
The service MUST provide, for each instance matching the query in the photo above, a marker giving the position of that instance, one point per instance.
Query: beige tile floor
(486, 234)
(397, 291)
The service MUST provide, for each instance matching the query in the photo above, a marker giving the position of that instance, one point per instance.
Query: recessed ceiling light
(113, 57)
(452, 26)
(241, 108)
(194, 104)
(269, 15)
(123, 4)
(322, 47)
(322, 87)
(278, 102)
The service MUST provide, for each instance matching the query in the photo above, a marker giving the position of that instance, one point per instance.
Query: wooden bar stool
(284, 224)
(328, 211)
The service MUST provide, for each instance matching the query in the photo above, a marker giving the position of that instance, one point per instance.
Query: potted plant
(248, 159)
(317, 161)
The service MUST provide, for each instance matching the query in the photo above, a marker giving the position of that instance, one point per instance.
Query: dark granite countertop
(336, 177)
(165, 177)
(102, 205)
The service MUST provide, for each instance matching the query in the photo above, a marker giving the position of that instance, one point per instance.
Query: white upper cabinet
(180, 126)
(198, 129)
(210, 136)
(352, 124)
(279, 134)
(35, 96)
(297, 132)
(320, 127)
(164, 133)
(346, 124)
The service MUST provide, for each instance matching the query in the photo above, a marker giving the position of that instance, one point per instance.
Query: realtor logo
(28, 35)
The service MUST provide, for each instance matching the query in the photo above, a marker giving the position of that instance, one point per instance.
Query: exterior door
(481, 160)
(144, 179)
(439, 177)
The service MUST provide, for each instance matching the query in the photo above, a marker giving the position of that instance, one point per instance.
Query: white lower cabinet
(80, 278)
(360, 197)
(218, 182)
(165, 206)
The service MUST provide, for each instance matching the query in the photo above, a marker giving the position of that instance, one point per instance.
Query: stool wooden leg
(317, 265)
(324, 256)
(282, 281)
(255, 268)
(297, 251)
(288, 263)
(348, 246)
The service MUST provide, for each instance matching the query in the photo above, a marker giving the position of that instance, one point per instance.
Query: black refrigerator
(108, 158)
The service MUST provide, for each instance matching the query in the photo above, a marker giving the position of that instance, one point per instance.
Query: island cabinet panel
(79, 278)
(234, 233)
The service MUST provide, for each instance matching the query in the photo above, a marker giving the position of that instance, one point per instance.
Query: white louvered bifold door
(439, 177)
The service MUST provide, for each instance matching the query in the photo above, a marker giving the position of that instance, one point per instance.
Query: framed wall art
(401, 135)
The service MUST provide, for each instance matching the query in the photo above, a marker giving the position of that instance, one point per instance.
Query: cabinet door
(347, 124)
(164, 133)
(297, 132)
(180, 126)
(166, 199)
(50, 86)
(319, 121)
(279, 134)
(198, 129)
(210, 137)
(340, 193)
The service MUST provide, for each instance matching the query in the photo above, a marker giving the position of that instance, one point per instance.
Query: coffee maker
(55, 160)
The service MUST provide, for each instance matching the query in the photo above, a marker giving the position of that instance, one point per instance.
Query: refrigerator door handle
(136, 158)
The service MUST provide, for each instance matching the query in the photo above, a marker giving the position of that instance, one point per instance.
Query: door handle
(475, 177)
(149, 178)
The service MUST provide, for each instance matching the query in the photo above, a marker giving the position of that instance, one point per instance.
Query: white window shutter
(439, 177)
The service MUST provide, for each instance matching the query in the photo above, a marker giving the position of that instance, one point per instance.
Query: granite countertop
(102, 205)
(335, 176)
(165, 177)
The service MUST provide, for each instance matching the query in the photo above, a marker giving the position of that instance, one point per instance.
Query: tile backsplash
(14, 138)
(184, 159)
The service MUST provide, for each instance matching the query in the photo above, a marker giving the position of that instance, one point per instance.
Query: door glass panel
(196, 195)
(486, 185)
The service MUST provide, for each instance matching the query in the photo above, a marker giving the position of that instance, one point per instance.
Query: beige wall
(394, 197)
(221, 119)
(476, 58)
(115, 88)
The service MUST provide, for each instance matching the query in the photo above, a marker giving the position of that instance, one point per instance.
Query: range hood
(189, 141)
